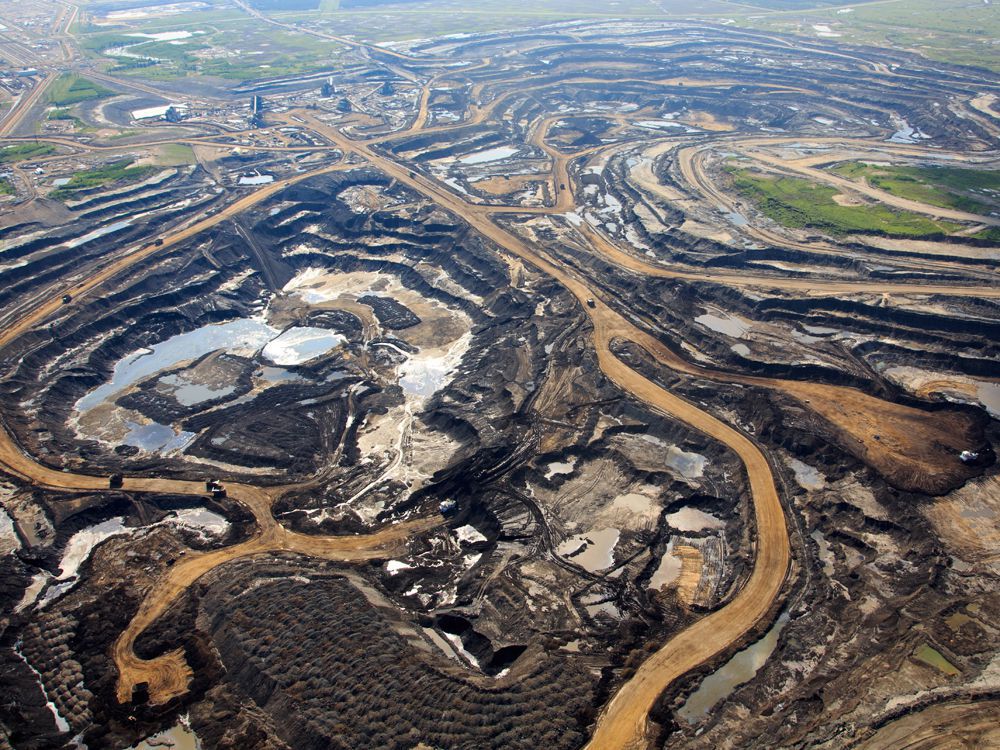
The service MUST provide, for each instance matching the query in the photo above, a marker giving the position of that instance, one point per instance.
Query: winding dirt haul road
(623, 724)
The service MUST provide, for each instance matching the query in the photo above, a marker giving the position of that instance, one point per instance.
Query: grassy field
(228, 43)
(972, 190)
(116, 171)
(801, 204)
(6, 187)
(24, 151)
(992, 234)
(223, 44)
(70, 88)
(68, 116)
(964, 32)
(423, 20)
(174, 155)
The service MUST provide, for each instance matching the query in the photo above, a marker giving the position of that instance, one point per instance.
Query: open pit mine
(507, 393)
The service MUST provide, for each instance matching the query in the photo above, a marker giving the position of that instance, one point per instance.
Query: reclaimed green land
(116, 171)
(801, 204)
(70, 88)
(175, 155)
(211, 50)
(969, 190)
(23, 151)
(991, 234)
(393, 22)
(67, 116)
(962, 32)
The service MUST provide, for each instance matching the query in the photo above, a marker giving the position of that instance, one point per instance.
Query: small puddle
(689, 465)
(728, 325)
(31, 593)
(557, 468)
(668, 569)
(469, 534)
(9, 541)
(188, 393)
(808, 477)
(156, 438)
(493, 154)
(274, 375)
(692, 519)
(97, 233)
(930, 656)
(204, 521)
(256, 179)
(179, 737)
(826, 555)
(607, 608)
(989, 397)
(165, 36)
(658, 124)
(593, 551)
(298, 345)
(742, 668)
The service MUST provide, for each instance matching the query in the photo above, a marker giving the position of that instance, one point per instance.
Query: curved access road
(624, 721)
(623, 724)
(44, 310)
(168, 675)
(842, 183)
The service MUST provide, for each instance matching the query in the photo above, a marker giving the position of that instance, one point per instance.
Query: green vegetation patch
(65, 115)
(990, 235)
(963, 32)
(801, 204)
(175, 155)
(116, 171)
(70, 88)
(232, 46)
(24, 151)
(969, 190)
(6, 187)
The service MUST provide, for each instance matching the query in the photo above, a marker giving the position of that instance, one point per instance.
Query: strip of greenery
(101, 41)
(992, 234)
(801, 204)
(6, 187)
(947, 187)
(70, 88)
(24, 151)
(116, 171)
(64, 115)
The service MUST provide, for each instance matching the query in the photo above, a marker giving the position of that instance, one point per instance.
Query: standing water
(743, 667)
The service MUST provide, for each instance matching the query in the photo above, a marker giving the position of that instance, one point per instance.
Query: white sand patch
(429, 370)
(469, 534)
